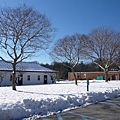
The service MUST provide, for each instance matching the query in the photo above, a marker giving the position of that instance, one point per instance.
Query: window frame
(38, 78)
(28, 78)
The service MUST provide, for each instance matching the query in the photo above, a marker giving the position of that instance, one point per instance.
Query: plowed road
(107, 110)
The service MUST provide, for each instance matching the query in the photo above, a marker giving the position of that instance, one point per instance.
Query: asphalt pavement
(106, 110)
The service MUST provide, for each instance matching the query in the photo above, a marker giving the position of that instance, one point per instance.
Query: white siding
(6, 79)
(33, 78)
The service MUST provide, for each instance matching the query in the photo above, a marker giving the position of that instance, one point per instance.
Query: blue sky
(73, 16)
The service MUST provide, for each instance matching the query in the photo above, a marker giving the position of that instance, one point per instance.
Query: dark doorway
(113, 77)
(20, 79)
(45, 79)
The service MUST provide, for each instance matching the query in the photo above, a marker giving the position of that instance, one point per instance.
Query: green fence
(100, 78)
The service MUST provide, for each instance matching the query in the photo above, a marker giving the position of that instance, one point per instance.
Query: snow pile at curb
(24, 104)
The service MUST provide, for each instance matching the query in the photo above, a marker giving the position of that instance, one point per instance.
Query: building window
(28, 77)
(38, 77)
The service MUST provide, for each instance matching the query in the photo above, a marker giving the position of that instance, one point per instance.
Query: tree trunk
(14, 76)
(106, 75)
(74, 76)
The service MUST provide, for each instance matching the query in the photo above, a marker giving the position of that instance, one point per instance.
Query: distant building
(27, 73)
(113, 75)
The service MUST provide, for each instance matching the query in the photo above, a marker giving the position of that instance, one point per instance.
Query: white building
(28, 73)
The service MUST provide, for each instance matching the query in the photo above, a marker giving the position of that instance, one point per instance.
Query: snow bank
(48, 99)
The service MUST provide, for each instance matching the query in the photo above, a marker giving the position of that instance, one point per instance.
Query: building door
(113, 77)
(20, 79)
(45, 79)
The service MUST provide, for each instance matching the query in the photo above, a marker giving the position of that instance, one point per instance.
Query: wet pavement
(107, 110)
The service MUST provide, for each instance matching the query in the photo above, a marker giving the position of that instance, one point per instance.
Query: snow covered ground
(31, 101)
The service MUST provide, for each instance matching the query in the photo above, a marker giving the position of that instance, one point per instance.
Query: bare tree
(102, 46)
(68, 49)
(23, 32)
(117, 63)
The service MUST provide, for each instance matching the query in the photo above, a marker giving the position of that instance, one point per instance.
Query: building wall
(6, 78)
(113, 75)
(33, 78)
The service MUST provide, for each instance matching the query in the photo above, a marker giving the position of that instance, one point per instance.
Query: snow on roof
(25, 66)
